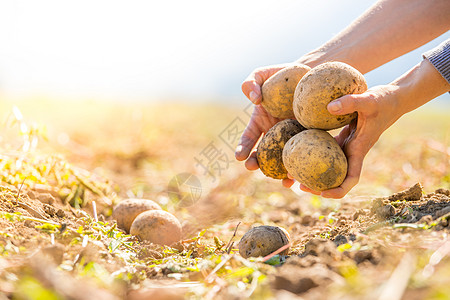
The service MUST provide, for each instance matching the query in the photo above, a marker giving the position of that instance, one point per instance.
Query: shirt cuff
(440, 59)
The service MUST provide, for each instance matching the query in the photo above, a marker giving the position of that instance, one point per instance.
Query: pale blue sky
(164, 49)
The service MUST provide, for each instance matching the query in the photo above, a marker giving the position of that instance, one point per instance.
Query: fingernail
(238, 149)
(335, 106)
(253, 96)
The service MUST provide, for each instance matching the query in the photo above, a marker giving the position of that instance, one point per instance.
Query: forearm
(387, 30)
(418, 86)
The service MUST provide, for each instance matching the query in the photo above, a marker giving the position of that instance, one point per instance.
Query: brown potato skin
(278, 91)
(314, 158)
(320, 86)
(157, 226)
(270, 149)
(263, 240)
(127, 210)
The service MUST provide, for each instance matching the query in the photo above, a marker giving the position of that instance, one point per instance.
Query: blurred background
(141, 91)
(161, 50)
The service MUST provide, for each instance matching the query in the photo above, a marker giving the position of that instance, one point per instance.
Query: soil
(361, 247)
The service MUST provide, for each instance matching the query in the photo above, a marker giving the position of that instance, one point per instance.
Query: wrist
(326, 54)
(418, 86)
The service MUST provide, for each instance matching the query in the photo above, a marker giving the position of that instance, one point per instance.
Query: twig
(94, 210)
(80, 255)
(37, 219)
(436, 258)
(266, 258)
(397, 283)
(20, 188)
(217, 268)
(31, 210)
(230, 245)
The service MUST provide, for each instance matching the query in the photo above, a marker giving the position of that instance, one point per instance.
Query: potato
(270, 149)
(157, 226)
(263, 240)
(278, 91)
(127, 210)
(320, 86)
(314, 158)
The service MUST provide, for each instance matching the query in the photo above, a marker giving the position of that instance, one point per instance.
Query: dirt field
(64, 165)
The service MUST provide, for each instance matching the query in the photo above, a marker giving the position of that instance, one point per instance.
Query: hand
(377, 110)
(260, 122)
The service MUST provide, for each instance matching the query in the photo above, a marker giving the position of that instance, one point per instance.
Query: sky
(155, 50)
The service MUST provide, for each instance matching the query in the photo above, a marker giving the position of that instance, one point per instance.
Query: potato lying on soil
(278, 91)
(270, 149)
(314, 158)
(320, 86)
(263, 240)
(127, 210)
(157, 226)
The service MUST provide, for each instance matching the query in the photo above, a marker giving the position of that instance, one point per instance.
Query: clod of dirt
(413, 193)
(46, 198)
(320, 247)
(157, 226)
(443, 192)
(340, 239)
(442, 212)
(54, 252)
(298, 280)
(263, 240)
(127, 210)
(385, 212)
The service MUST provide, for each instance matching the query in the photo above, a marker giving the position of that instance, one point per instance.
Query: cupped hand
(261, 121)
(377, 110)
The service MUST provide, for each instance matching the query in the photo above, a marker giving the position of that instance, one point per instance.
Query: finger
(287, 182)
(347, 104)
(251, 87)
(342, 136)
(308, 190)
(251, 135)
(252, 162)
(352, 178)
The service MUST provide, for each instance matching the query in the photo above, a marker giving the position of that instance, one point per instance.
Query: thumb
(346, 104)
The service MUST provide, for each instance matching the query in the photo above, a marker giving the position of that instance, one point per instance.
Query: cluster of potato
(146, 220)
(303, 147)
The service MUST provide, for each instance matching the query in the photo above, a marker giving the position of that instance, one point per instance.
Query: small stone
(443, 212)
(427, 219)
(60, 213)
(385, 212)
(307, 220)
(46, 198)
(340, 239)
(50, 210)
(55, 252)
(319, 247)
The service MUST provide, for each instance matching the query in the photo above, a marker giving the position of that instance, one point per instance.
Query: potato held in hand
(278, 91)
(270, 149)
(314, 158)
(263, 240)
(157, 226)
(127, 210)
(320, 86)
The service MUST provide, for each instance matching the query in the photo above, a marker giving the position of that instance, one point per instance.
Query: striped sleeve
(440, 58)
